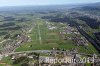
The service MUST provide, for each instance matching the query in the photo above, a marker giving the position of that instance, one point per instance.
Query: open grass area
(44, 38)
(49, 38)
(6, 61)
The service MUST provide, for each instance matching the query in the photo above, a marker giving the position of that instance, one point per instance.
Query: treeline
(97, 35)
(56, 18)
(11, 28)
(90, 8)
(93, 23)
(60, 19)
(3, 33)
(7, 24)
(9, 18)
(22, 20)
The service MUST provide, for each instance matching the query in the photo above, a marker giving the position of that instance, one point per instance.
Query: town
(50, 37)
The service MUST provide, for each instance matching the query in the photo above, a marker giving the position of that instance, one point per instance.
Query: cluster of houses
(67, 30)
(69, 33)
(10, 46)
(54, 58)
(73, 34)
(80, 41)
(51, 26)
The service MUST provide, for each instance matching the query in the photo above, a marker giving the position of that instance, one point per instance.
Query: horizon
(48, 5)
(5, 3)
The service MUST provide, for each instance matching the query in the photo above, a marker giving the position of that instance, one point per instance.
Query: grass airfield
(45, 38)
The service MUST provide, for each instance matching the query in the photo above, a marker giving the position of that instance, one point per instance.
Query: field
(45, 38)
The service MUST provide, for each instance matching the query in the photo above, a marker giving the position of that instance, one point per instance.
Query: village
(52, 57)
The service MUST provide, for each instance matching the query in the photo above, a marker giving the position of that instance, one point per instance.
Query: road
(44, 52)
(89, 38)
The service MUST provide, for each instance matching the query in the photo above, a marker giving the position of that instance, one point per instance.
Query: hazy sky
(42, 2)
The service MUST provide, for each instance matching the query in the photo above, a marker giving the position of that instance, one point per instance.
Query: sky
(42, 2)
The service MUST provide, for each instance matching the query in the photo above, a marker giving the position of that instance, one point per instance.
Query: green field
(49, 39)
(46, 39)
(42, 37)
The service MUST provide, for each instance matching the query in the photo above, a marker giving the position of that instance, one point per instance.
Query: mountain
(89, 7)
(37, 8)
(92, 6)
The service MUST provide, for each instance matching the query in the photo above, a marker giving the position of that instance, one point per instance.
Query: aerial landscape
(50, 35)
